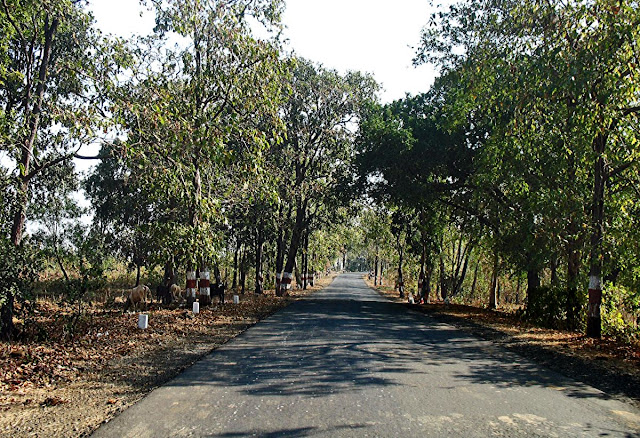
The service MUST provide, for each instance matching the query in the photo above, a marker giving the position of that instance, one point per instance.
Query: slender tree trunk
(375, 268)
(475, 278)
(234, 283)
(421, 275)
(553, 266)
(400, 276)
(533, 285)
(460, 276)
(280, 249)
(243, 270)
(305, 262)
(60, 264)
(493, 293)
(137, 274)
(427, 282)
(259, 290)
(312, 273)
(443, 281)
(594, 324)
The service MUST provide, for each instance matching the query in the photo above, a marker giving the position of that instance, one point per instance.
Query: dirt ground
(55, 385)
(610, 365)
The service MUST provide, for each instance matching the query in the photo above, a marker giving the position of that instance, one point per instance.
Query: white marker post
(196, 308)
(236, 299)
(143, 321)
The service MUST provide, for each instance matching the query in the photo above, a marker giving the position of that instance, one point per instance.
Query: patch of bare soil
(611, 365)
(56, 385)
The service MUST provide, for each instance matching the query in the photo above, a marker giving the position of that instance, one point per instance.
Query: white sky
(374, 36)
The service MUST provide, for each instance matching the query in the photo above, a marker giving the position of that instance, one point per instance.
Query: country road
(347, 363)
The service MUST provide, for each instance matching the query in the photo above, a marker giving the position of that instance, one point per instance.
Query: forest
(512, 183)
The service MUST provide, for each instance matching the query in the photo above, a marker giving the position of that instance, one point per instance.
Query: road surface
(347, 363)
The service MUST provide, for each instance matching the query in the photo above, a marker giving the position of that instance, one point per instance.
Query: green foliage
(18, 271)
(547, 307)
(201, 122)
(620, 311)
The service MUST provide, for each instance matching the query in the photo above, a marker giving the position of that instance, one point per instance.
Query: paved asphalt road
(347, 363)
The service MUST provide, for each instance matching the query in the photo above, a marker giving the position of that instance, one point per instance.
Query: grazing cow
(177, 294)
(163, 294)
(218, 289)
(170, 294)
(137, 295)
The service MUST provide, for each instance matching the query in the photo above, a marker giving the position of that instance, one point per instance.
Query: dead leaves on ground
(102, 335)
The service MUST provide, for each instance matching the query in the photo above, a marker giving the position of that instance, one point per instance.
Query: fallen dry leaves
(53, 384)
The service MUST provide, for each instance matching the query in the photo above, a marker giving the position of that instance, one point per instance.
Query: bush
(547, 307)
(620, 312)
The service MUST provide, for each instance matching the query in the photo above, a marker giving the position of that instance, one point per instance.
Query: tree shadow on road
(320, 347)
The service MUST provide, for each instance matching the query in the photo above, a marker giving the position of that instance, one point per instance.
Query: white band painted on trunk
(191, 292)
(191, 275)
(278, 276)
(205, 291)
(288, 275)
(594, 282)
(205, 276)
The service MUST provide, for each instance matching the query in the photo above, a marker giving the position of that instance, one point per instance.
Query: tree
(196, 118)
(122, 211)
(54, 69)
(319, 112)
(577, 87)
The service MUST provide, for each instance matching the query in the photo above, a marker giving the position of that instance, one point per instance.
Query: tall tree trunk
(33, 122)
(400, 274)
(443, 280)
(296, 236)
(594, 324)
(305, 262)
(375, 268)
(137, 274)
(243, 270)
(234, 283)
(553, 266)
(421, 275)
(533, 286)
(493, 292)
(294, 245)
(259, 290)
(427, 282)
(169, 277)
(475, 278)
(280, 246)
(460, 276)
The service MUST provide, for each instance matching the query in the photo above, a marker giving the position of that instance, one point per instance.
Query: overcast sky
(375, 36)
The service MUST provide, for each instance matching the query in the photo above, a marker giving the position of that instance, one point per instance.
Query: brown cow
(176, 292)
(137, 295)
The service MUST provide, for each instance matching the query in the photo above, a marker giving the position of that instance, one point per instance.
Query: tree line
(522, 157)
(217, 148)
